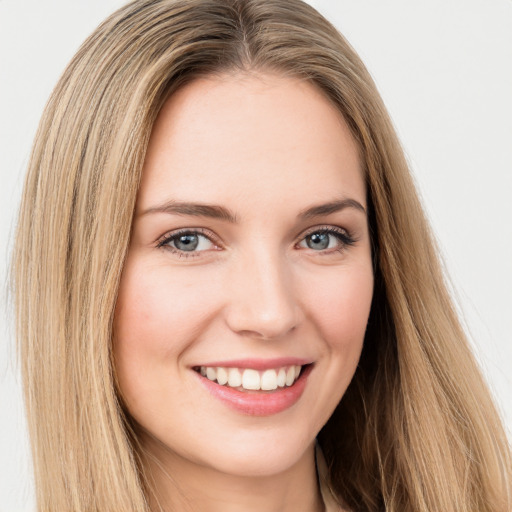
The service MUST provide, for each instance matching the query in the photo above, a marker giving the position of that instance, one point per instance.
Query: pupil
(187, 242)
(318, 241)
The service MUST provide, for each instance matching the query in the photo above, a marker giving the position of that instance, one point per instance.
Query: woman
(183, 147)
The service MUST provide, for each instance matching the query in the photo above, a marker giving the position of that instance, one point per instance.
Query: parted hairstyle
(415, 431)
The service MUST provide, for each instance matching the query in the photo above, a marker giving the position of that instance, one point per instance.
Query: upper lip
(258, 363)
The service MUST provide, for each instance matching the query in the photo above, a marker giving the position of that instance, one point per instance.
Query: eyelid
(323, 227)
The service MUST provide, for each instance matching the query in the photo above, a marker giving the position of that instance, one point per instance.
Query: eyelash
(342, 235)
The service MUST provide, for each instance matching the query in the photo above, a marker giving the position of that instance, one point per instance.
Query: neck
(180, 485)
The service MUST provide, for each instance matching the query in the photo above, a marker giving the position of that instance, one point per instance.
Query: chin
(260, 454)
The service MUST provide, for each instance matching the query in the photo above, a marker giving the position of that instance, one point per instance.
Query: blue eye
(187, 242)
(325, 239)
(319, 241)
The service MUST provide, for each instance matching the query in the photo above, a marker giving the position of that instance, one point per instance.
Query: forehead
(248, 135)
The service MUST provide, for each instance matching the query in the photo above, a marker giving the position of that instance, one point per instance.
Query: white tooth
(290, 376)
(297, 371)
(251, 379)
(234, 377)
(203, 371)
(269, 380)
(281, 378)
(222, 376)
(211, 373)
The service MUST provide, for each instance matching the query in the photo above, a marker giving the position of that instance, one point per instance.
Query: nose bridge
(263, 302)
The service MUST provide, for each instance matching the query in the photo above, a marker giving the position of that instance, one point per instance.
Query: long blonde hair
(416, 430)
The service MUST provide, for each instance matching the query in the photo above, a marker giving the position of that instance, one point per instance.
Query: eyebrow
(331, 207)
(194, 209)
(222, 213)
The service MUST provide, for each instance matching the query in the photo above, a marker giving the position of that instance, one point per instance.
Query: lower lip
(259, 403)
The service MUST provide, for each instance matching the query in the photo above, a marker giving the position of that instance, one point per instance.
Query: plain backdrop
(444, 69)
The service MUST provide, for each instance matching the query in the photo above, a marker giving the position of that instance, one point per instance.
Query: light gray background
(444, 68)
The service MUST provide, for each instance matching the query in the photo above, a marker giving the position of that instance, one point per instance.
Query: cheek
(158, 316)
(341, 305)
(158, 309)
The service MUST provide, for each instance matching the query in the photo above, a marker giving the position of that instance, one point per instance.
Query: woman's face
(249, 262)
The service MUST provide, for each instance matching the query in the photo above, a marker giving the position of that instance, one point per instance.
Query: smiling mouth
(249, 379)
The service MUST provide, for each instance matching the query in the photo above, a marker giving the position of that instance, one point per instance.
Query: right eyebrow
(193, 209)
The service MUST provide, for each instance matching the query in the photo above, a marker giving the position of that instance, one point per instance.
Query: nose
(262, 302)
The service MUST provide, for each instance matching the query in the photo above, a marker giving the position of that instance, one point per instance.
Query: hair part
(415, 431)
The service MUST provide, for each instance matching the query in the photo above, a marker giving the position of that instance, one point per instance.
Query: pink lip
(258, 403)
(259, 364)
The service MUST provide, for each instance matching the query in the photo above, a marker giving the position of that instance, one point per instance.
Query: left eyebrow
(331, 207)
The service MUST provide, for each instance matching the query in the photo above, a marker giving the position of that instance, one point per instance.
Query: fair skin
(274, 273)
